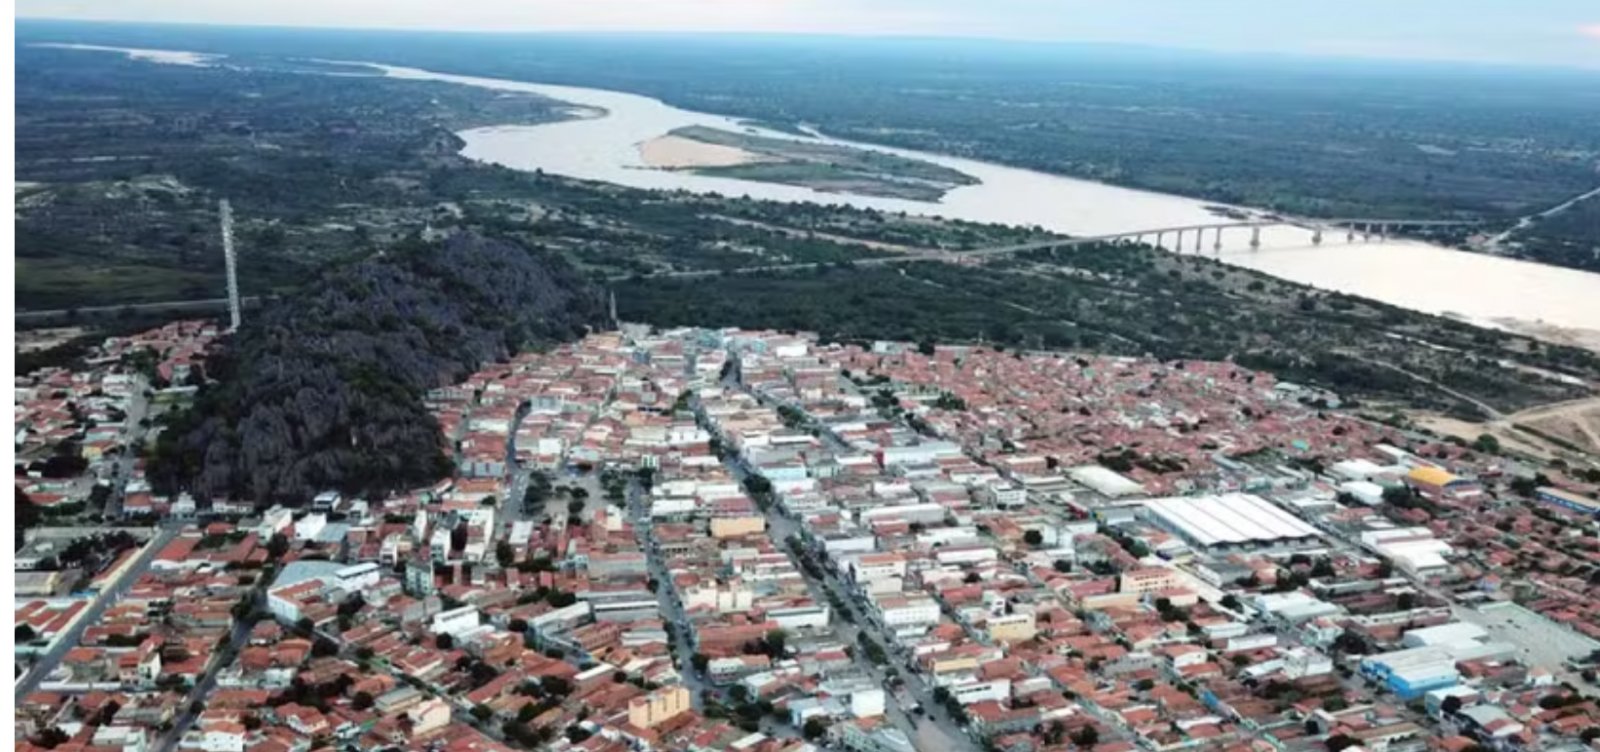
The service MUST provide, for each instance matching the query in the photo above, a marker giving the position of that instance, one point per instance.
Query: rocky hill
(324, 389)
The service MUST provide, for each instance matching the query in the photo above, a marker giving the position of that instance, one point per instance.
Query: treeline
(324, 390)
(1130, 301)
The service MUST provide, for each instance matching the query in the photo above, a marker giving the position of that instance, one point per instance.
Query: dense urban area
(329, 437)
(698, 539)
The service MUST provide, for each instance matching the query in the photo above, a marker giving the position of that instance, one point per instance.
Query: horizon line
(1420, 61)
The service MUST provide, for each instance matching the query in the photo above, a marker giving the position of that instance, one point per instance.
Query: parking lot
(1540, 641)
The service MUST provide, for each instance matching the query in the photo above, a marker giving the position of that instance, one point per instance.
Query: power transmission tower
(233, 272)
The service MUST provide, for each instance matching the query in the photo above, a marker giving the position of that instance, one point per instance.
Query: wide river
(603, 144)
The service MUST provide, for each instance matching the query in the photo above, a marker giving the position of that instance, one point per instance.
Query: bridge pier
(1199, 237)
(1383, 231)
(1316, 235)
(1216, 245)
(1366, 232)
(1177, 245)
(1350, 234)
(1255, 237)
(1159, 236)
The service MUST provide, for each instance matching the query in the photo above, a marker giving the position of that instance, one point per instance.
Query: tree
(25, 634)
(1063, 566)
(1230, 602)
(1451, 705)
(444, 641)
(700, 661)
(482, 712)
(972, 577)
(775, 642)
(556, 686)
(1487, 444)
(277, 546)
(1033, 538)
(504, 554)
(815, 727)
(1400, 496)
(1086, 737)
(362, 700)
(1339, 742)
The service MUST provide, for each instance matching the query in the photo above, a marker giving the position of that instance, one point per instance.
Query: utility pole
(233, 273)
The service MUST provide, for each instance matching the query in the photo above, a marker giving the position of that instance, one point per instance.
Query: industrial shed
(1234, 520)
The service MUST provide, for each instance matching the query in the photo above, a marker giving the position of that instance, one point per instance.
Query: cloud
(1591, 31)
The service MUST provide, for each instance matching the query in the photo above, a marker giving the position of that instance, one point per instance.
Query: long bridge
(1365, 229)
(1196, 234)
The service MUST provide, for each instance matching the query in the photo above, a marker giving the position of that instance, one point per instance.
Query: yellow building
(429, 716)
(1149, 580)
(735, 527)
(658, 706)
(1011, 628)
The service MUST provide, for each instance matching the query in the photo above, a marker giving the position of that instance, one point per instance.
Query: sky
(1527, 32)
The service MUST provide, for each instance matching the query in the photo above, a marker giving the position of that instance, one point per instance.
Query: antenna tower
(233, 273)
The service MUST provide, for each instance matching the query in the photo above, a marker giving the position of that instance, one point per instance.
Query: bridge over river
(1185, 237)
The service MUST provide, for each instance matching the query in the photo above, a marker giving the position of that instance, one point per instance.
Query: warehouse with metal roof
(1233, 520)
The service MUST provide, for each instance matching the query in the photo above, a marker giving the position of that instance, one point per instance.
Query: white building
(1230, 520)
(1104, 481)
(980, 691)
(310, 526)
(1302, 662)
(455, 622)
(353, 579)
(439, 544)
(910, 614)
(801, 617)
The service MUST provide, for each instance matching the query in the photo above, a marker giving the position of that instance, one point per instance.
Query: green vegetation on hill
(1133, 301)
(324, 390)
(1568, 238)
(344, 167)
(327, 170)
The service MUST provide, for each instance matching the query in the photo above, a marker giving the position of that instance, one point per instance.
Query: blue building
(1568, 499)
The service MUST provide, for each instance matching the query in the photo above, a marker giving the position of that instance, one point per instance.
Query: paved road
(205, 304)
(937, 728)
(667, 595)
(68, 640)
(122, 467)
(208, 682)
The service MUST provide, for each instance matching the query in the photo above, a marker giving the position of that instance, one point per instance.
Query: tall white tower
(233, 272)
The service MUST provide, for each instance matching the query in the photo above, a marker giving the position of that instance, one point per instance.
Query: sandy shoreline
(1588, 339)
(671, 152)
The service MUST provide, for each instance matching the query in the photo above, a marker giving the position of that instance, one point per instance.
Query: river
(602, 143)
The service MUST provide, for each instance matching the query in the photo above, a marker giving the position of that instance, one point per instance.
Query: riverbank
(801, 162)
(672, 152)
